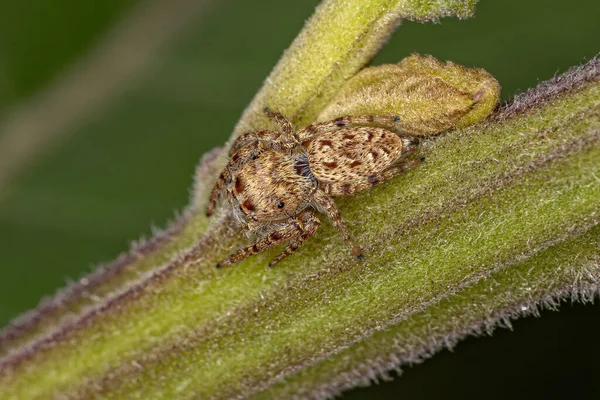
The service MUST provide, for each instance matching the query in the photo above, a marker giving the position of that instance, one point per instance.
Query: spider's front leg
(249, 137)
(296, 231)
(325, 204)
(287, 129)
(289, 137)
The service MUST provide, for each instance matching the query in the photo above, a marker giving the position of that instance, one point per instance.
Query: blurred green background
(113, 173)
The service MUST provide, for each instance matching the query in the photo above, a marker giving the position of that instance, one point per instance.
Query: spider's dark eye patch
(281, 204)
(254, 156)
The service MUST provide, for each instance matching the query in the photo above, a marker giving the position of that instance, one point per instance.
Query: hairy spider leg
(310, 225)
(248, 138)
(313, 130)
(217, 190)
(326, 205)
(288, 134)
(295, 230)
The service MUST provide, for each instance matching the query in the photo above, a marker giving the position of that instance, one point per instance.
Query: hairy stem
(502, 217)
(302, 77)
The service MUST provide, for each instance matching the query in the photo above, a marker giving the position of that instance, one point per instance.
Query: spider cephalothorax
(276, 180)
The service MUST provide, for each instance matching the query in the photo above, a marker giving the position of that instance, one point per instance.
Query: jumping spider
(275, 180)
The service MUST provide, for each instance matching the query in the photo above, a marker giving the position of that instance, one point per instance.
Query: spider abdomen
(352, 159)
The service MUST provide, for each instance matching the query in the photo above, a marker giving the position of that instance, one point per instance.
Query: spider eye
(281, 204)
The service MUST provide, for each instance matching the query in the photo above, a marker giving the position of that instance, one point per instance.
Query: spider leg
(287, 129)
(296, 230)
(324, 203)
(310, 131)
(310, 225)
(217, 190)
(246, 138)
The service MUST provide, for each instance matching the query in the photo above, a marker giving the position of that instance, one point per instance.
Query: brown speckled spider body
(276, 180)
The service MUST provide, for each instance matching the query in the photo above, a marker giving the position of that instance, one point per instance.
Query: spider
(275, 181)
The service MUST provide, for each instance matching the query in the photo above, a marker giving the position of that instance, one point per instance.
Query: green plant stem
(477, 310)
(493, 215)
(349, 32)
(487, 199)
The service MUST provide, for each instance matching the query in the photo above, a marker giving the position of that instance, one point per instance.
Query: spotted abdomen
(352, 159)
